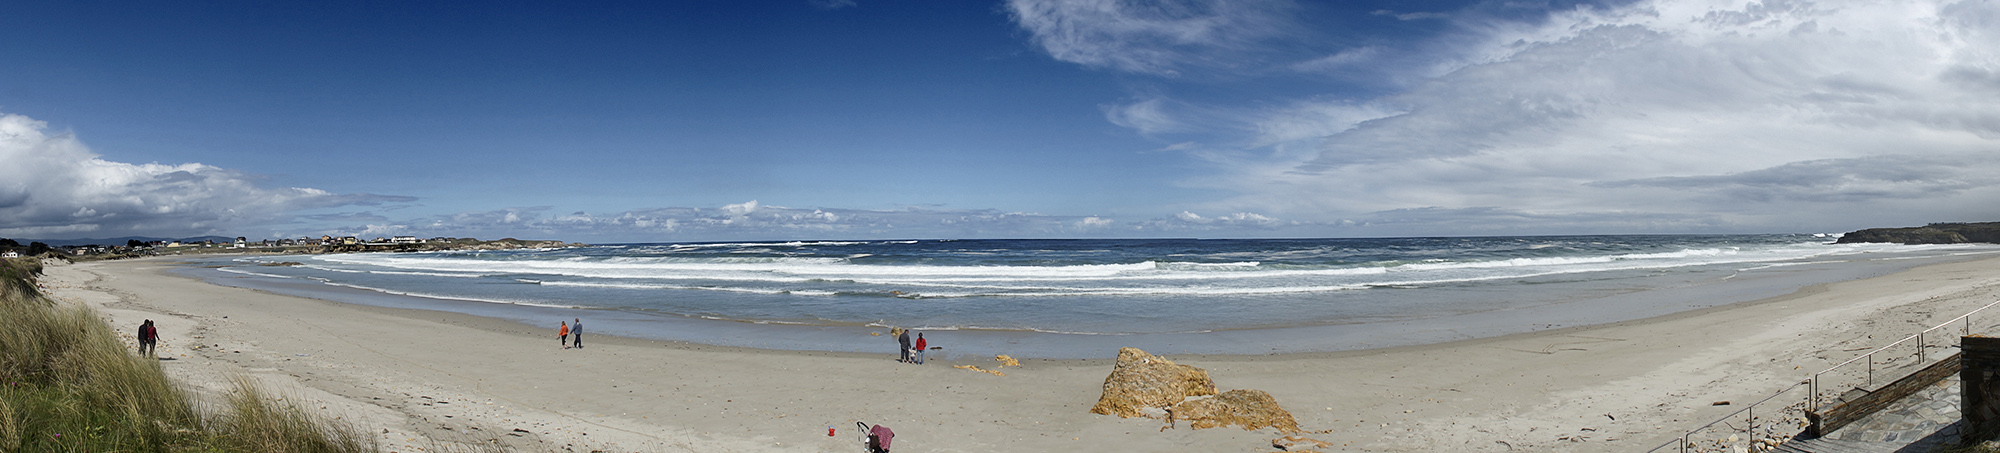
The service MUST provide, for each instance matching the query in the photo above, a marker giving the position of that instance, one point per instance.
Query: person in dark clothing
(577, 329)
(903, 338)
(149, 337)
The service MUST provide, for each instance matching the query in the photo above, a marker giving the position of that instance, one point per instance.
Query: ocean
(1087, 297)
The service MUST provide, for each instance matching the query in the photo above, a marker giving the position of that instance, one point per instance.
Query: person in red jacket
(921, 346)
(562, 335)
(149, 337)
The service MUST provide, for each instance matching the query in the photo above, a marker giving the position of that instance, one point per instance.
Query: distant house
(405, 240)
(10, 254)
(349, 240)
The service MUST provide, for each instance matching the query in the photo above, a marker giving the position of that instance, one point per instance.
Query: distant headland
(138, 247)
(1936, 233)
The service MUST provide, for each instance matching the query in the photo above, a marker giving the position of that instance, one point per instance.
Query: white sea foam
(256, 274)
(449, 297)
(828, 276)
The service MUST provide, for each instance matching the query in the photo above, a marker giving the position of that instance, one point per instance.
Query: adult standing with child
(921, 345)
(903, 339)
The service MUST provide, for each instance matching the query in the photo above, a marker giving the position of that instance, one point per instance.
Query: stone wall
(1832, 418)
(1979, 401)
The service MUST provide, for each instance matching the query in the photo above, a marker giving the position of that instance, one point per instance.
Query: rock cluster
(1145, 385)
(1141, 380)
(1250, 409)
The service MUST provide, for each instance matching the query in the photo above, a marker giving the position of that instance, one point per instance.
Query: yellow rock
(1250, 409)
(975, 368)
(1142, 380)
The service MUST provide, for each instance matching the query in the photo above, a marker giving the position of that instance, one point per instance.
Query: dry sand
(420, 380)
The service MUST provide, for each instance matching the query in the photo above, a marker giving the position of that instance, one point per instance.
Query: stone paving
(1923, 420)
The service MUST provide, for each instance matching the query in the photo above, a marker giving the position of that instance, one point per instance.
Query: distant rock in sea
(1936, 233)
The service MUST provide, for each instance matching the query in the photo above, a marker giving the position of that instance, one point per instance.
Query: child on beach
(562, 335)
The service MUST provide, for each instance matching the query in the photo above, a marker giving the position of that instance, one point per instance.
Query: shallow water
(1086, 298)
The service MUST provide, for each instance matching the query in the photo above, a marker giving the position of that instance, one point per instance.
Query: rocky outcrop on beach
(1250, 409)
(1146, 385)
(1936, 233)
(1140, 381)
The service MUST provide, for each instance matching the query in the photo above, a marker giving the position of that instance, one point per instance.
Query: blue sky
(830, 119)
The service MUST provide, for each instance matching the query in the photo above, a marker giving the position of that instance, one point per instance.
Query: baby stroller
(876, 438)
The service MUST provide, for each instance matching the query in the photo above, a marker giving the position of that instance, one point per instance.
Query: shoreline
(1538, 390)
(1546, 313)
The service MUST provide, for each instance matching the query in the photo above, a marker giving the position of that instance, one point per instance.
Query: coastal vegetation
(68, 383)
(1936, 233)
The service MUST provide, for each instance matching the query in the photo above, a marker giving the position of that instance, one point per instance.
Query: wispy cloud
(750, 220)
(1765, 115)
(54, 186)
(831, 4)
(1410, 16)
(1159, 38)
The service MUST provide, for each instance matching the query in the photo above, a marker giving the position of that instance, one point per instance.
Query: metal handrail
(1813, 401)
(1751, 409)
(1812, 397)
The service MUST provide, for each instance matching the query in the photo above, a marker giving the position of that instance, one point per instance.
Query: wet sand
(415, 378)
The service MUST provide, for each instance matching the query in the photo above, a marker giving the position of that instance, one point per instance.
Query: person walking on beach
(903, 339)
(578, 330)
(562, 335)
(920, 347)
(149, 337)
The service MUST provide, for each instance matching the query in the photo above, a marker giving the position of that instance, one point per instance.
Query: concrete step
(1830, 445)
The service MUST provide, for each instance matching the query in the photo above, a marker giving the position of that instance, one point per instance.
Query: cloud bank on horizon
(1664, 116)
(56, 187)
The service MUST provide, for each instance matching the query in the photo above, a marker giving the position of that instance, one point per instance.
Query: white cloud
(1410, 16)
(749, 220)
(1344, 59)
(53, 186)
(1093, 222)
(1147, 116)
(1729, 115)
(1155, 37)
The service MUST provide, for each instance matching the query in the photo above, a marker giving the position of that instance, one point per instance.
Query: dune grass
(67, 383)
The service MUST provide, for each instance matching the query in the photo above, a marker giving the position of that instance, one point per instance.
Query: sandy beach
(421, 379)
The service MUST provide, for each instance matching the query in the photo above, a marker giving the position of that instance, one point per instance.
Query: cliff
(1936, 233)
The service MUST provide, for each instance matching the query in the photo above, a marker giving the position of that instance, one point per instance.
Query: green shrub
(68, 383)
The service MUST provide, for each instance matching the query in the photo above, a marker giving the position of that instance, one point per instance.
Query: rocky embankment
(1936, 233)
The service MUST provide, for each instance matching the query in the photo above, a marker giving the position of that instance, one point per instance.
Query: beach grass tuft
(258, 422)
(68, 383)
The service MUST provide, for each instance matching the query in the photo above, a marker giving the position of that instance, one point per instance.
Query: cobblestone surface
(1922, 420)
